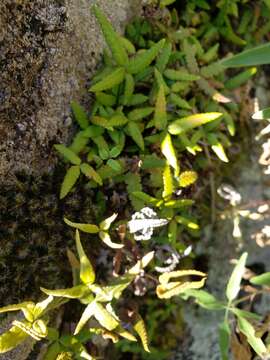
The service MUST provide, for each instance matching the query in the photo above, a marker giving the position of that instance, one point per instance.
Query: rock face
(48, 50)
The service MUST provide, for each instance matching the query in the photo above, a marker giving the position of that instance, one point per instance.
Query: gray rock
(48, 51)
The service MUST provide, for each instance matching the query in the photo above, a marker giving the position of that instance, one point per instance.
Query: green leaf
(140, 329)
(262, 114)
(42, 306)
(118, 120)
(178, 101)
(160, 116)
(259, 55)
(240, 79)
(135, 133)
(114, 78)
(52, 351)
(263, 279)
(105, 237)
(140, 113)
(181, 75)
(190, 122)
(130, 48)
(245, 314)
(12, 338)
(169, 153)
(105, 99)
(69, 181)
(164, 3)
(224, 340)
(87, 274)
(137, 99)
(86, 315)
(217, 147)
(233, 286)
(186, 222)
(146, 198)
(255, 342)
(164, 56)
(179, 204)
(113, 40)
(133, 182)
(104, 317)
(105, 224)
(129, 89)
(88, 228)
(68, 154)
(88, 171)
(76, 292)
(140, 61)
(80, 114)
(205, 300)
(168, 187)
(114, 164)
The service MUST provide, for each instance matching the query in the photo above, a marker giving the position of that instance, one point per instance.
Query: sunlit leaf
(262, 114)
(140, 328)
(105, 224)
(104, 317)
(87, 274)
(168, 187)
(166, 291)
(75, 292)
(86, 315)
(88, 228)
(217, 147)
(190, 122)
(105, 237)
(12, 338)
(169, 153)
(233, 286)
(141, 264)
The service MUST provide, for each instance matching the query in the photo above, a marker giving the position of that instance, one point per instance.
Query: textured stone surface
(48, 51)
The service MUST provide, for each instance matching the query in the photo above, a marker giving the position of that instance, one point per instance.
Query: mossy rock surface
(48, 51)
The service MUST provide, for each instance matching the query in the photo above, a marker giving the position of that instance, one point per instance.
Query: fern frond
(133, 182)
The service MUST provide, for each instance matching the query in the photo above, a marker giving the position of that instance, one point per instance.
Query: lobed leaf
(140, 329)
(68, 154)
(69, 181)
(113, 40)
(141, 61)
(114, 78)
(80, 114)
